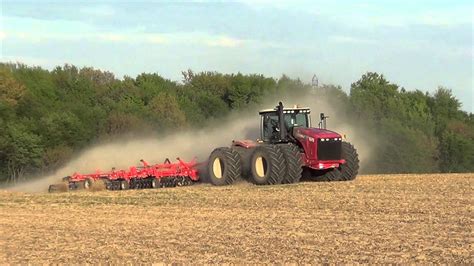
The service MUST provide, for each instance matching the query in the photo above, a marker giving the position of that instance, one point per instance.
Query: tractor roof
(287, 110)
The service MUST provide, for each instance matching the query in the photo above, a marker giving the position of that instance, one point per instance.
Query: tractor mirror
(322, 116)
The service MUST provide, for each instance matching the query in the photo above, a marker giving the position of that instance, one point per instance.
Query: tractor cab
(276, 129)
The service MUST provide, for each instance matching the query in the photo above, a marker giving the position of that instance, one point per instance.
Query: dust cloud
(186, 144)
(196, 143)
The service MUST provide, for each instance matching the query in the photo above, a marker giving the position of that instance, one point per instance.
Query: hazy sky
(416, 44)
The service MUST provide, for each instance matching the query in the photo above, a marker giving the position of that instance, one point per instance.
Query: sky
(415, 44)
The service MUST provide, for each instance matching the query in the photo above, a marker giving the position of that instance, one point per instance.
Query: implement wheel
(294, 163)
(267, 165)
(88, 183)
(224, 166)
(155, 183)
(124, 185)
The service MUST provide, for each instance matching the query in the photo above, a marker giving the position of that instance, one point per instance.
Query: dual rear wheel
(267, 165)
(224, 166)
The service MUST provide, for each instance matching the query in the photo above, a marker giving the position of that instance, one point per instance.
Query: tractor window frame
(263, 131)
(266, 134)
(295, 116)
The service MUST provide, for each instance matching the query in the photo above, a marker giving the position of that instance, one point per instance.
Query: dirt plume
(125, 152)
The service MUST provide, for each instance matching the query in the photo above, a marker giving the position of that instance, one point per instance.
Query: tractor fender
(246, 143)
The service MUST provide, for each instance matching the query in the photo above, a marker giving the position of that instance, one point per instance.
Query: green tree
(404, 150)
(23, 152)
(11, 91)
(374, 97)
(151, 85)
(457, 146)
(444, 107)
(166, 112)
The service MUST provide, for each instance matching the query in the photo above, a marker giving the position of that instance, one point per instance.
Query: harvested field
(375, 219)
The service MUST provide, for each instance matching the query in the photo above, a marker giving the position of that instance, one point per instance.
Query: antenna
(315, 81)
(314, 84)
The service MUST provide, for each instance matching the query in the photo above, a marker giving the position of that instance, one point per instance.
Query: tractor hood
(328, 149)
(315, 133)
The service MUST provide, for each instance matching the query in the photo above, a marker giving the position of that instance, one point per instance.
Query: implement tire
(350, 169)
(124, 185)
(224, 166)
(294, 163)
(267, 165)
(154, 183)
(88, 183)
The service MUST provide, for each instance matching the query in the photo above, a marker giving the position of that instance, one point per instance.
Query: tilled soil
(375, 219)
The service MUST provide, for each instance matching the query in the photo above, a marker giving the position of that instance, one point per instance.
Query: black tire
(154, 183)
(245, 154)
(180, 181)
(350, 169)
(88, 183)
(326, 175)
(224, 166)
(124, 185)
(267, 165)
(330, 175)
(188, 181)
(294, 163)
(108, 185)
(347, 171)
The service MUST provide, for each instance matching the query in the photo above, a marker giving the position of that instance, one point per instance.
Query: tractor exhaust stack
(281, 121)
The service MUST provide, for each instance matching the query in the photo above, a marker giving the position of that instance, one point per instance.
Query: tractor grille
(329, 149)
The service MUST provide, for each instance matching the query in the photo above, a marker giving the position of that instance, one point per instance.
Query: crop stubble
(377, 218)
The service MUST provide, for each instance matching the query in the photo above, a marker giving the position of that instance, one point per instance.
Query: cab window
(270, 126)
(296, 120)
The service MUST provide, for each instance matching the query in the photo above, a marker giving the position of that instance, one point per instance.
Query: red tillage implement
(166, 174)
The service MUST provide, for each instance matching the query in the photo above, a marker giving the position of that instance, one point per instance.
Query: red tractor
(288, 149)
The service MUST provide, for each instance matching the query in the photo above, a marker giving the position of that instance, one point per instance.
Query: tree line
(48, 115)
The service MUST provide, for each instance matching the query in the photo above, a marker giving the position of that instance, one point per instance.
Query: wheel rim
(217, 168)
(86, 184)
(260, 166)
(122, 185)
(153, 183)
